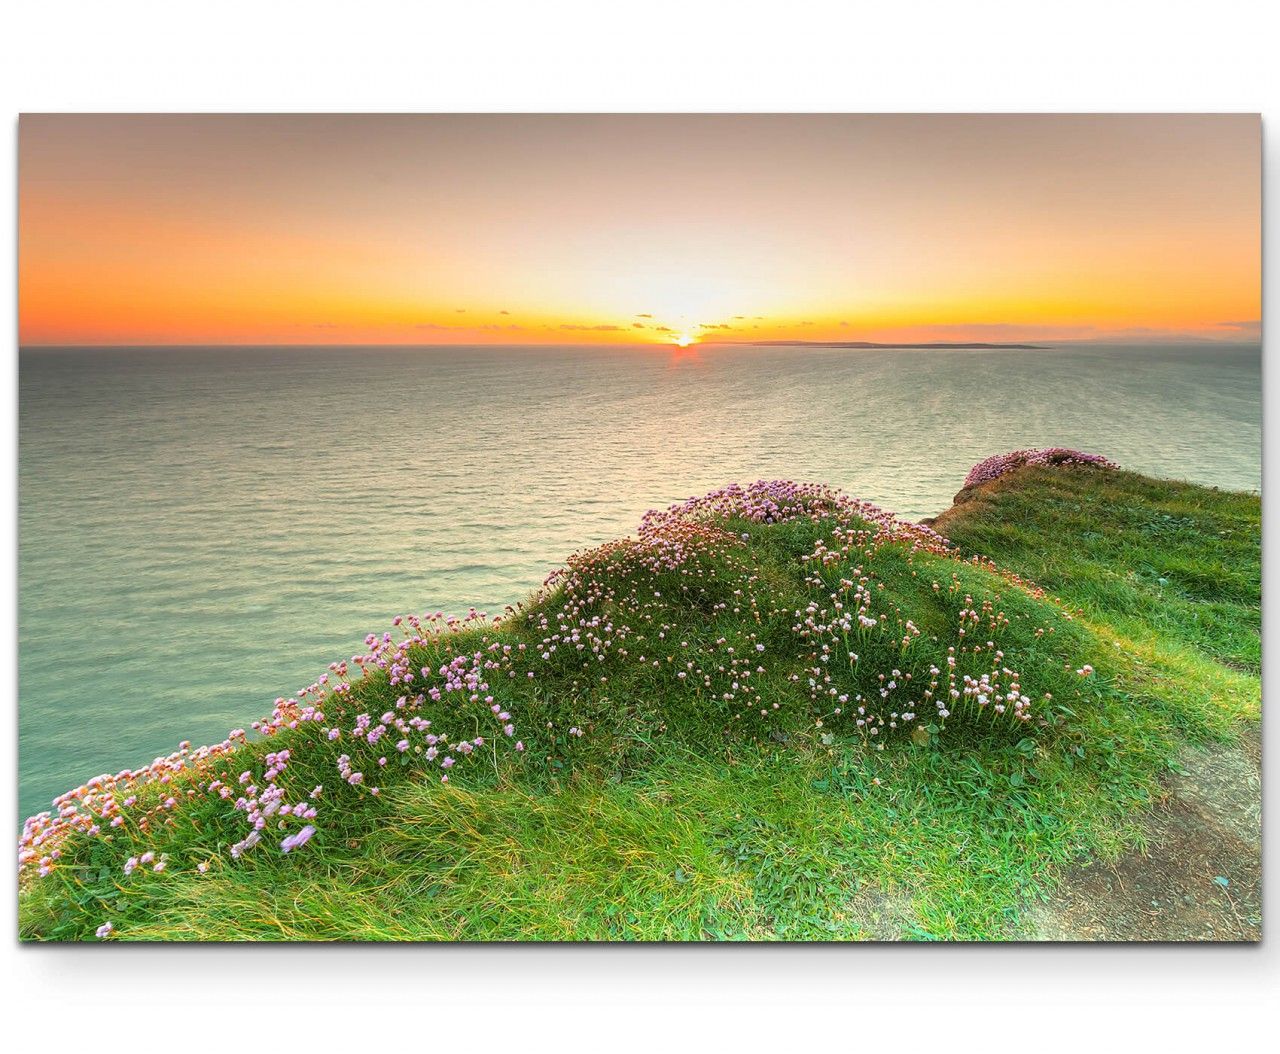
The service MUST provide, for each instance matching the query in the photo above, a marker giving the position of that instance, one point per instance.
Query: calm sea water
(203, 530)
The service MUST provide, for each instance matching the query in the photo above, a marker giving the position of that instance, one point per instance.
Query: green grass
(1170, 564)
(680, 815)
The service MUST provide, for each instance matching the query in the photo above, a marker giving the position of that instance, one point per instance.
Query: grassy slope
(669, 821)
(1170, 572)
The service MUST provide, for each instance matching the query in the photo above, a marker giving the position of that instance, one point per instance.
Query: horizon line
(848, 344)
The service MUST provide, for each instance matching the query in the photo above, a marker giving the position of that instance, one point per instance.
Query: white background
(107, 55)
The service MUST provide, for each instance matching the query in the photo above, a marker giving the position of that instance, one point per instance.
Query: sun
(683, 340)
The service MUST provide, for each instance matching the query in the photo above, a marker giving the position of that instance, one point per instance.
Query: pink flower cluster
(846, 624)
(108, 803)
(999, 464)
(146, 805)
(780, 500)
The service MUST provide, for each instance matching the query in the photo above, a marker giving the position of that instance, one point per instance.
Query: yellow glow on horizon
(474, 229)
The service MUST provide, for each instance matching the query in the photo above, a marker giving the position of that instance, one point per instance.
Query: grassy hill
(775, 713)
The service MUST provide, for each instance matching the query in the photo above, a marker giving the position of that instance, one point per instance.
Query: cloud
(637, 325)
(504, 312)
(1252, 326)
(644, 316)
(595, 329)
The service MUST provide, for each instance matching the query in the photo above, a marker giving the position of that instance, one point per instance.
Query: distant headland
(872, 344)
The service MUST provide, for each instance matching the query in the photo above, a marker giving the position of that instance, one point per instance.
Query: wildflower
(998, 465)
(300, 838)
(588, 633)
(103, 931)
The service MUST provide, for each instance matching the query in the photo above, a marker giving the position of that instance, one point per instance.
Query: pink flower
(298, 839)
(999, 464)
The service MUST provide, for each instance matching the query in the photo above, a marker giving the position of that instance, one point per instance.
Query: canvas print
(648, 527)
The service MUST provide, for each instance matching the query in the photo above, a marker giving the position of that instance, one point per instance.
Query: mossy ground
(680, 816)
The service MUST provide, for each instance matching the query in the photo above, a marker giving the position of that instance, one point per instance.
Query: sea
(202, 530)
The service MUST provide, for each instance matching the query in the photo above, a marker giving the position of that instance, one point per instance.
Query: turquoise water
(202, 530)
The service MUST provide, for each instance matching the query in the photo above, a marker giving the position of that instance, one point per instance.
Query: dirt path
(1200, 878)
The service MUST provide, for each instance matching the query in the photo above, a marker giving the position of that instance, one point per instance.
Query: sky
(242, 229)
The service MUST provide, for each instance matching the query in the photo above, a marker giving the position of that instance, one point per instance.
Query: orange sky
(595, 229)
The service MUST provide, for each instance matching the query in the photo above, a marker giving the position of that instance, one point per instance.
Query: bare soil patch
(1200, 877)
(882, 916)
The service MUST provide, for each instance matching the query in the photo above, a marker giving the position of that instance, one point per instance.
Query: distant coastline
(872, 344)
